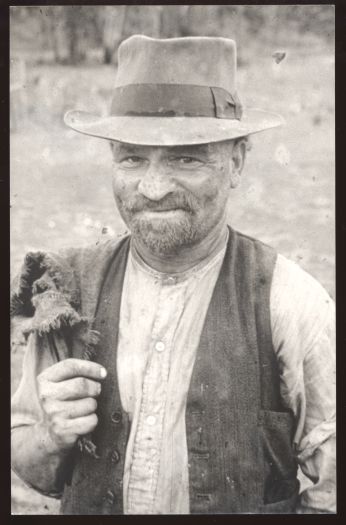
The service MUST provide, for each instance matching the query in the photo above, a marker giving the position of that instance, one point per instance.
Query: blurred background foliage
(75, 34)
(44, 38)
(64, 57)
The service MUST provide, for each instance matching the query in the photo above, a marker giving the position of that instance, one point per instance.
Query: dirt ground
(61, 189)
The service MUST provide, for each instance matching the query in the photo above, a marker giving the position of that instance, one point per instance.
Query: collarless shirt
(155, 362)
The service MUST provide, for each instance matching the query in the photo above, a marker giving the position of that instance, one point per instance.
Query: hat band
(175, 100)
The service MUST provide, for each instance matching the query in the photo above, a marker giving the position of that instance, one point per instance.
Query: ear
(112, 145)
(237, 161)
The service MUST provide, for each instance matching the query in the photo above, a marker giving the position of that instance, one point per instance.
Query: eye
(131, 161)
(186, 160)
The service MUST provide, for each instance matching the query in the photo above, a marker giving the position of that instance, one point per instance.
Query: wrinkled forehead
(189, 149)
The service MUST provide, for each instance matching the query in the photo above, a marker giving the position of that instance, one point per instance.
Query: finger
(71, 409)
(80, 425)
(69, 368)
(77, 388)
(80, 407)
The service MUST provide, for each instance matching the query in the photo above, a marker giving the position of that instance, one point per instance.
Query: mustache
(170, 202)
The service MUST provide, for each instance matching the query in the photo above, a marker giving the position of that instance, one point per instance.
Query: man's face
(172, 197)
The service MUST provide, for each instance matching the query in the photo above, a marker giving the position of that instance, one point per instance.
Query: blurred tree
(143, 19)
(202, 20)
(65, 28)
(76, 49)
(175, 21)
(113, 18)
(254, 16)
(69, 32)
(119, 22)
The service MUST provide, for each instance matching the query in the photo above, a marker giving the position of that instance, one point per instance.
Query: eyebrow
(201, 149)
(197, 149)
(119, 147)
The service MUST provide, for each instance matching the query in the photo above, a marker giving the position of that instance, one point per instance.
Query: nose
(156, 183)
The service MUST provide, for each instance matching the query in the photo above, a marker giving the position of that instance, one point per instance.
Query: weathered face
(172, 197)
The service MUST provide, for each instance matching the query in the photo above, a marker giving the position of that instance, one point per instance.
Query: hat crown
(199, 61)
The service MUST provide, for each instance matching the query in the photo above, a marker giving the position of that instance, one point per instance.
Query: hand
(67, 391)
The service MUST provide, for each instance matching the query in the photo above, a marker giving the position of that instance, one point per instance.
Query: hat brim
(171, 131)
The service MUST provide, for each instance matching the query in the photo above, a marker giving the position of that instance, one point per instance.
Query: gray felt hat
(174, 91)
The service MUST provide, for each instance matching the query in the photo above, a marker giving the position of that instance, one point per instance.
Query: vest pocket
(281, 486)
(287, 506)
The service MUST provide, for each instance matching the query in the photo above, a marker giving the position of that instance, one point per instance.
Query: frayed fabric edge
(30, 281)
(64, 319)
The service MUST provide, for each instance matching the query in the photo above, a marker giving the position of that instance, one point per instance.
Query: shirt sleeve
(303, 331)
(25, 404)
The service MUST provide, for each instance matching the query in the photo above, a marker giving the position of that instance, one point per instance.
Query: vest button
(116, 417)
(109, 497)
(115, 456)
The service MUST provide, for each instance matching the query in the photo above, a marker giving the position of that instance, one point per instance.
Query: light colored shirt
(161, 320)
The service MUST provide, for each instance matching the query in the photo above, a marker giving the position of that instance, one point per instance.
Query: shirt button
(109, 497)
(115, 456)
(160, 346)
(151, 420)
(116, 417)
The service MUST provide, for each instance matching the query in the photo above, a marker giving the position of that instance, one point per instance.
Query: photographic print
(172, 259)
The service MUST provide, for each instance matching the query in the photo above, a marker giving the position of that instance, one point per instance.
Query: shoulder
(254, 256)
(93, 256)
(292, 281)
(301, 309)
(90, 266)
(248, 241)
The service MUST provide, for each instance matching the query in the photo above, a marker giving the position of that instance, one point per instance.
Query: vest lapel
(223, 399)
(96, 486)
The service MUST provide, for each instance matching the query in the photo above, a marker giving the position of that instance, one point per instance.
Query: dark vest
(239, 436)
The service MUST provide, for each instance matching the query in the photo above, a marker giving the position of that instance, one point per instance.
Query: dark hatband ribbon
(174, 100)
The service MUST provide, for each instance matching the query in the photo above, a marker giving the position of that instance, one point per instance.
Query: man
(186, 368)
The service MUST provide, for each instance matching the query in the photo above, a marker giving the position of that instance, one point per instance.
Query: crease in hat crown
(200, 65)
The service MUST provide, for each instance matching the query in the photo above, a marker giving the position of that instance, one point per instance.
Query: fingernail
(103, 372)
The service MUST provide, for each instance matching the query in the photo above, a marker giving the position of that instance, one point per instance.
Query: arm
(316, 447)
(303, 336)
(53, 405)
(26, 417)
(36, 461)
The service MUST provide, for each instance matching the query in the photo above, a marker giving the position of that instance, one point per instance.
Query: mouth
(163, 212)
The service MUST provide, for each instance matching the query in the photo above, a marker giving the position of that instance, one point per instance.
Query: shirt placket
(148, 440)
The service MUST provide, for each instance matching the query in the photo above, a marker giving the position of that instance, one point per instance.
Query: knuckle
(56, 426)
(42, 397)
(41, 383)
(82, 385)
(40, 378)
(63, 423)
(72, 365)
(66, 412)
(96, 388)
(48, 407)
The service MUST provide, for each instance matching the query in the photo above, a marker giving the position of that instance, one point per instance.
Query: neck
(187, 257)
